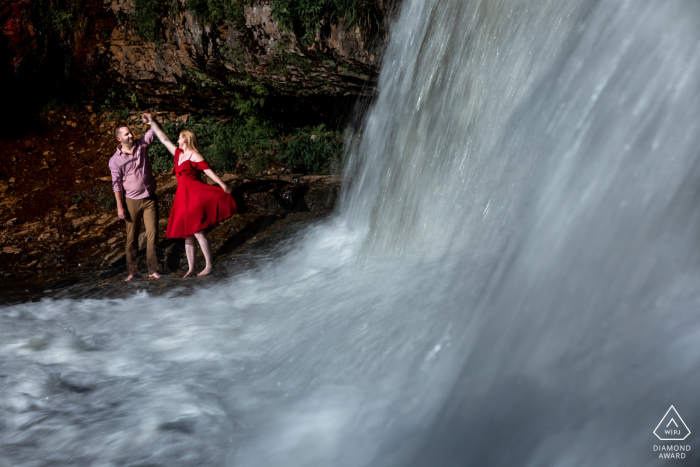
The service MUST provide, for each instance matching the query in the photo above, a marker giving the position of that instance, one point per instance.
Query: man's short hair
(119, 127)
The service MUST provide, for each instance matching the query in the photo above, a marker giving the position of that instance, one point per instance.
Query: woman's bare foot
(129, 277)
(155, 275)
(189, 273)
(205, 271)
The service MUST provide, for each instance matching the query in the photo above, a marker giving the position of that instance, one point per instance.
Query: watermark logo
(672, 427)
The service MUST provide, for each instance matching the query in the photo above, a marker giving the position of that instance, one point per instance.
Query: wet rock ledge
(71, 243)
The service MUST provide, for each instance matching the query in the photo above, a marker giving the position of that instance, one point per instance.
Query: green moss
(351, 70)
(281, 45)
(280, 63)
(232, 55)
(301, 62)
(279, 69)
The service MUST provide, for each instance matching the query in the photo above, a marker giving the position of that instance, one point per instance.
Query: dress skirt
(197, 206)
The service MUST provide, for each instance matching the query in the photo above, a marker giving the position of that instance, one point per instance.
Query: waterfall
(512, 277)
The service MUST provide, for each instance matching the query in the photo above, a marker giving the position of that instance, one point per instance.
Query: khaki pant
(146, 208)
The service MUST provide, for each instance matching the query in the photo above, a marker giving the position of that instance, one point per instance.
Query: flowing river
(512, 278)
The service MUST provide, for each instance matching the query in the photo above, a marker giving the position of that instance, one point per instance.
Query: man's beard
(127, 144)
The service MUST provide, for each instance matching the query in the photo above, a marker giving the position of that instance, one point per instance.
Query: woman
(197, 206)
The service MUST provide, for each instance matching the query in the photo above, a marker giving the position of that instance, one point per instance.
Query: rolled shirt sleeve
(117, 176)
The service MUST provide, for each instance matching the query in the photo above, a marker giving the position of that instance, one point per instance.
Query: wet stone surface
(70, 253)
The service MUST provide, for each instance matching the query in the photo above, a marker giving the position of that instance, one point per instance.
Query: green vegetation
(306, 17)
(256, 143)
(279, 68)
(222, 145)
(118, 104)
(116, 115)
(312, 149)
(204, 80)
(106, 200)
(77, 199)
(351, 70)
(246, 104)
(232, 54)
(146, 20)
(219, 11)
(281, 61)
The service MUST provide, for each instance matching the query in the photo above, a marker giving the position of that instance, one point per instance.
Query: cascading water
(513, 277)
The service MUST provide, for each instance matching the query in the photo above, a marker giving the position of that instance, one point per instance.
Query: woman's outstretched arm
(197, 157)
(147, 118)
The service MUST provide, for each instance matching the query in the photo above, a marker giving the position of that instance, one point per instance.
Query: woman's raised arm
(147, 118)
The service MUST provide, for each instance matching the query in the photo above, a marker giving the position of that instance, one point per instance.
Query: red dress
(197, 205)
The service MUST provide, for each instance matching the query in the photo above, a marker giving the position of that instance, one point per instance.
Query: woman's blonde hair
(190, 139)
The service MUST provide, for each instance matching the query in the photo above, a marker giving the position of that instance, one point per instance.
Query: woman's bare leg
(191, 252)
(206, 249)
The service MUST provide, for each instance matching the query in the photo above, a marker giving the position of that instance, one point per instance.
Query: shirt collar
(133, 150)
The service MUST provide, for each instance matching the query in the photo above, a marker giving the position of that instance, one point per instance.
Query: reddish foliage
(16, 25)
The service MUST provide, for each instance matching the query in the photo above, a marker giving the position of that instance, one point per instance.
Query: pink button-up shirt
(131, 173)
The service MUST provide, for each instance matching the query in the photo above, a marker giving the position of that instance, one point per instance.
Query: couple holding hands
(196, 207)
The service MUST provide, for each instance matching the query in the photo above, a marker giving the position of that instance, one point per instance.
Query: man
(135, 186)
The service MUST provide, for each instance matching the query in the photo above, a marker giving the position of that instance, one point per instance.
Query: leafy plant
(117, 114)
(256, 142)
(77, 199)
(113, 105)
(62, 20)
(219, 11)
(146, 20)
(246, 104)
(306, 17)
(312, 149)
(222, 145)
(106, 200)
(134, 99)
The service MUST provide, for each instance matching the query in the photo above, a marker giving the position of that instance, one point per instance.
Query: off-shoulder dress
(196, 206)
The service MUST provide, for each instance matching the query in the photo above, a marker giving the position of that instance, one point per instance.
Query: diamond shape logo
(672, 427)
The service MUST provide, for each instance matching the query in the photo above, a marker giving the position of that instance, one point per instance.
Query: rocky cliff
(194, 62)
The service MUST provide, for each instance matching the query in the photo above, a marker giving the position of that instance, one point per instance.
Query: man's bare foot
(189, 273)
(205, 271)
(155, 275)
(129, 277)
